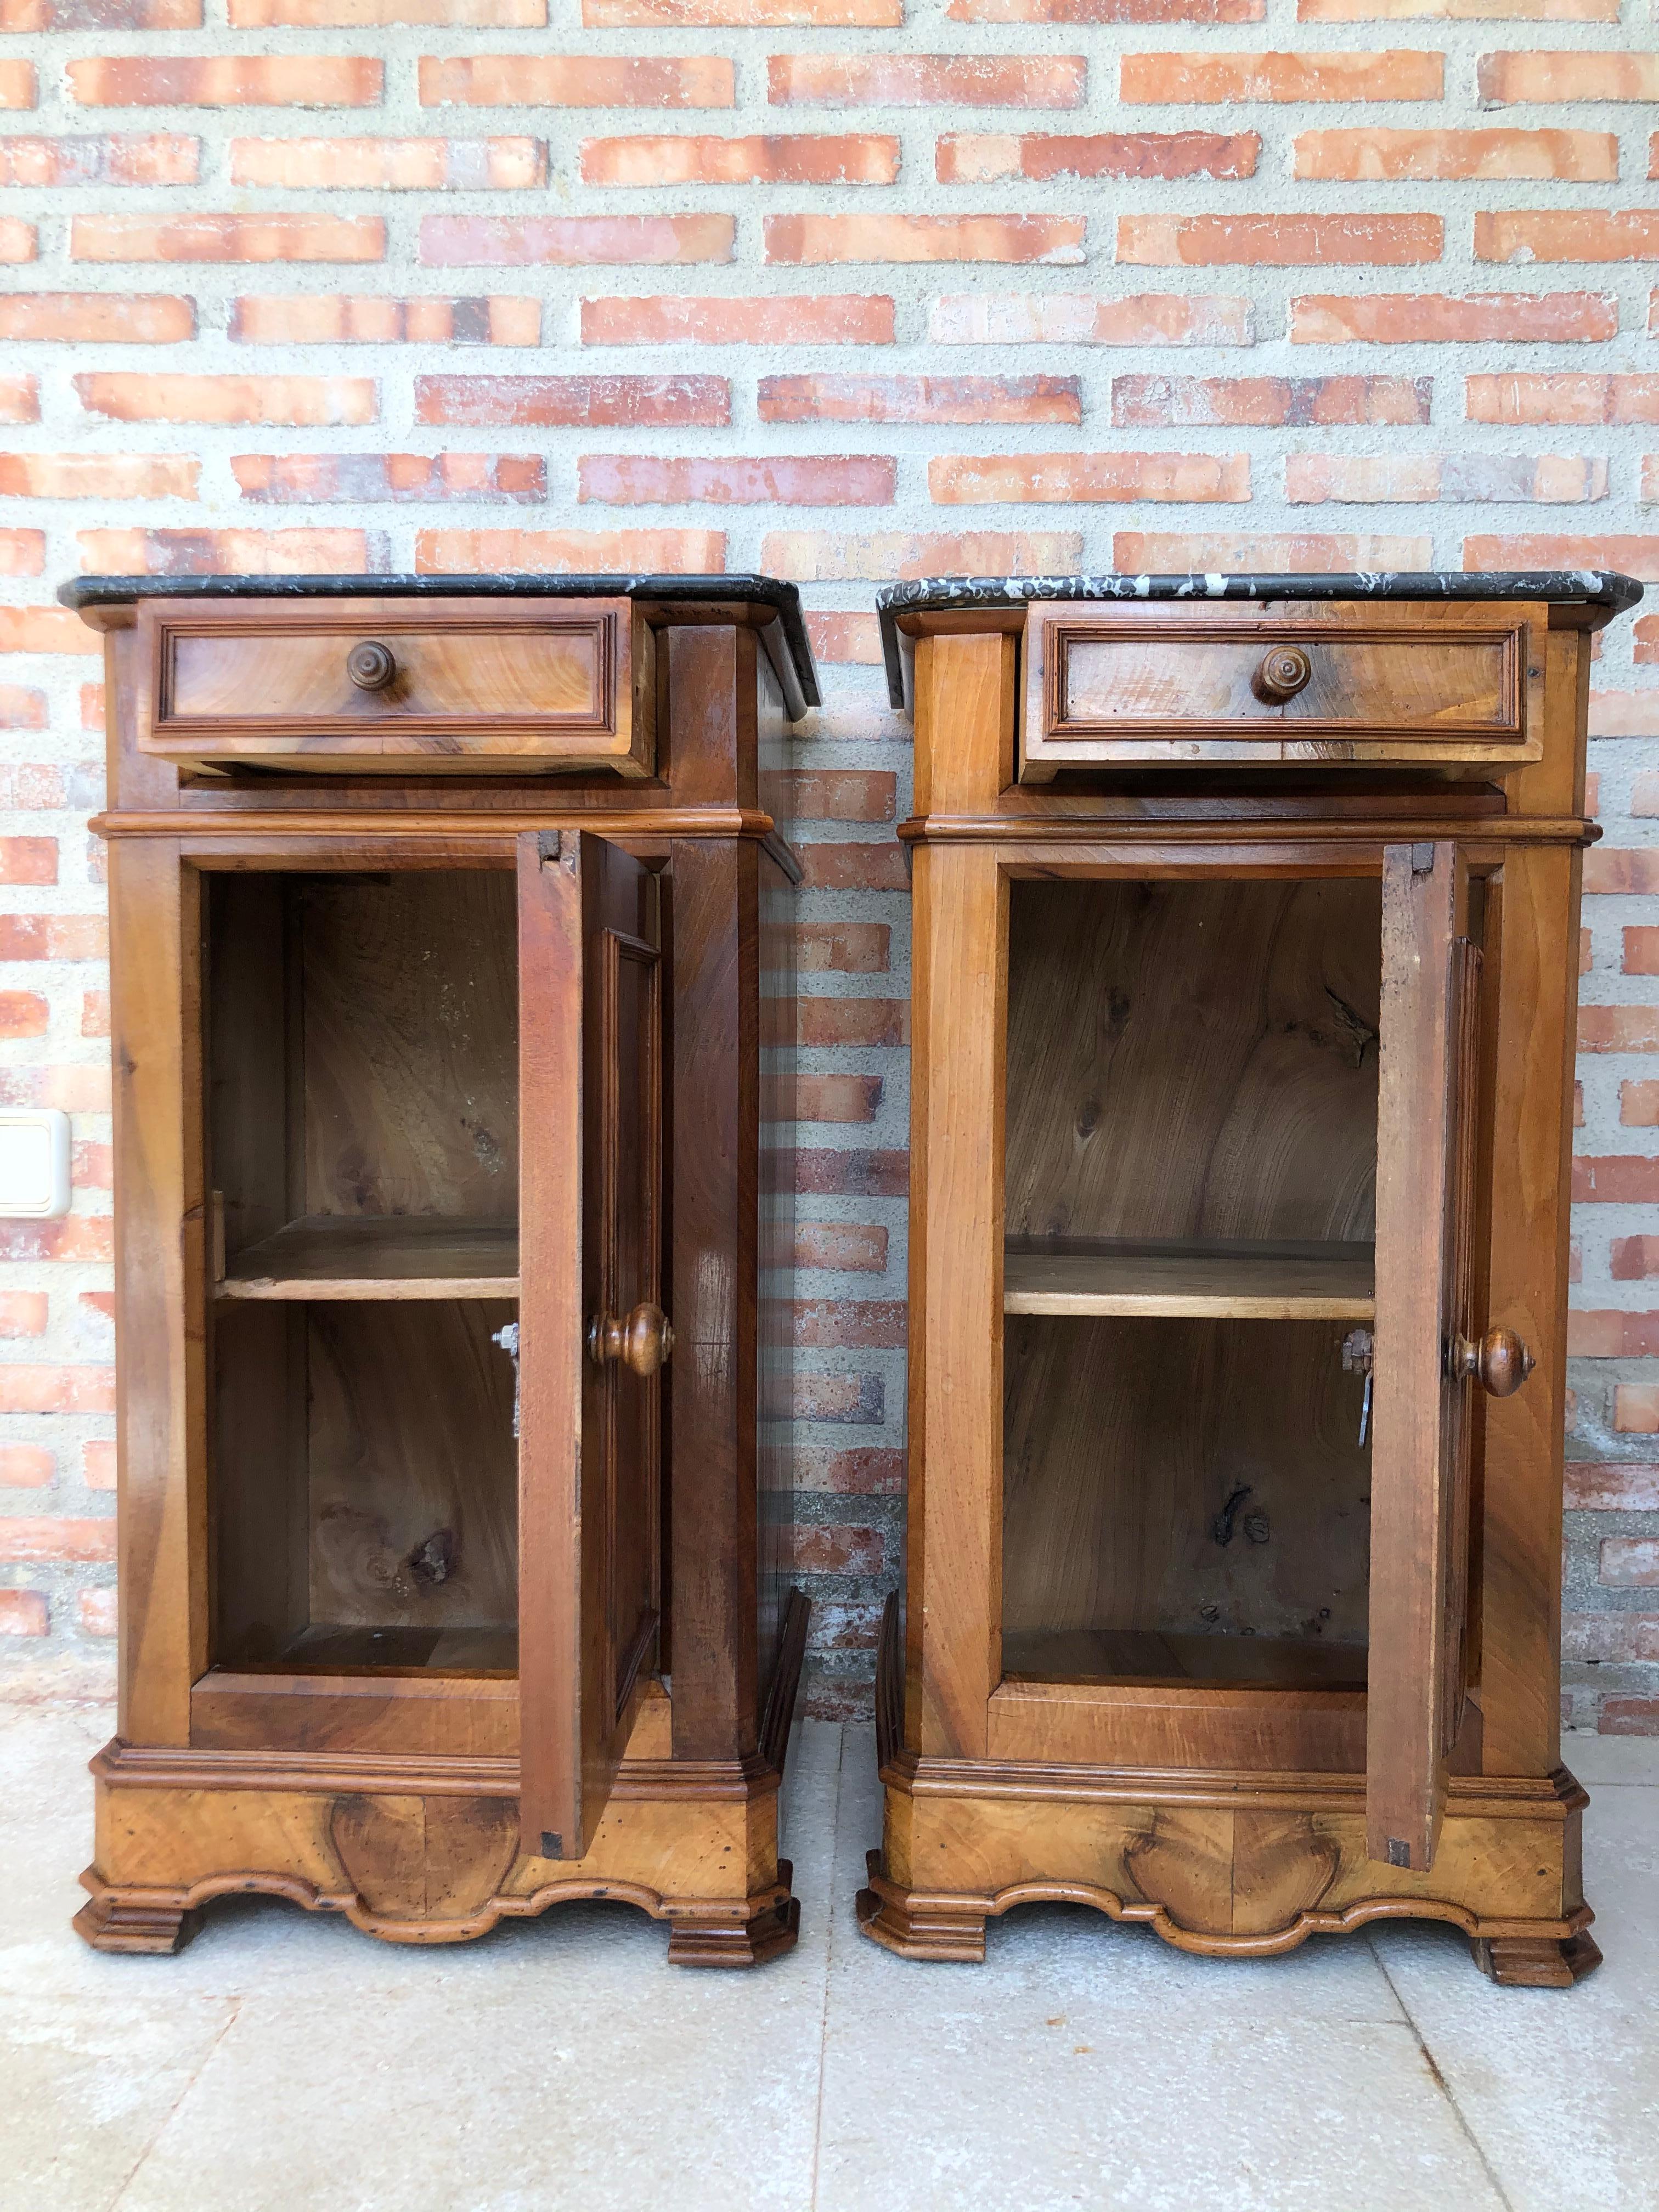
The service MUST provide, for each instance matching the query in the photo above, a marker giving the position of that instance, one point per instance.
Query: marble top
(747, 590)
(1598, 588)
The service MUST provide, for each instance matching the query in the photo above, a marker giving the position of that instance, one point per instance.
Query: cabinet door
(592, 1332)
(1426, 1355)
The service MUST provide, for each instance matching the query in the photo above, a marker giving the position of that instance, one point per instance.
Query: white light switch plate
(34, 1164)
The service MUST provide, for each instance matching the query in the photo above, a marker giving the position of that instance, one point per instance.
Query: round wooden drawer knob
(1283, 673)
(370, 666)
(1500, 1362)
(642, 1342)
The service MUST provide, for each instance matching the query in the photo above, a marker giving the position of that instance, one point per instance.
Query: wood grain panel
(373, 1256)
(1248, 1281)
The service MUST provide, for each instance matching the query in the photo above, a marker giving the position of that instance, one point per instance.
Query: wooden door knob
(1500, 1362)
(642, 1342)
(1284, 671)
(370, 665)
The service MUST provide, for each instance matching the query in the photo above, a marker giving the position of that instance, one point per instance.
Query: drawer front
(400, 686)
(1104, 689)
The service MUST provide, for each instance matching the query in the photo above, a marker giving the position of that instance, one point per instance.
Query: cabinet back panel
(1127, 1447)
(1193, 1060)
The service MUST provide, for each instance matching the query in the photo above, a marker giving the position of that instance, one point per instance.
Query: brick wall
(845, 291)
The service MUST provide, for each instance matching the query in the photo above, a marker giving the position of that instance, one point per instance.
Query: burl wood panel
(450, 685)
(1192, 1060)
(1199, 1480)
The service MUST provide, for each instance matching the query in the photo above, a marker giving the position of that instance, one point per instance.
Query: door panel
(1426, 1353)
(593, 1335)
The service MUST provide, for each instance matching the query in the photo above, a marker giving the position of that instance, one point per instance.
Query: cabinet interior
(1191, 1166)
(361, 1074)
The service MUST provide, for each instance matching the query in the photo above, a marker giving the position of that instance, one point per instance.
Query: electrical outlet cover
(34, 1164)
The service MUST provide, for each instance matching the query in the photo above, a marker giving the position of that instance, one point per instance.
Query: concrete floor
(285, 2062)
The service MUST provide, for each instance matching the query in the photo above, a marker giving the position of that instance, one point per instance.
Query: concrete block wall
(846, 290)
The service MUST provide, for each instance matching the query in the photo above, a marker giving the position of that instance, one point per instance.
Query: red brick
(163, 160)
(22, 1014)
(837, 1097)
(1611, 1486)
(413, 478)
(1085, 319)
(877, 80)
(98, 1611)
(860, 867)
(1646, 635)
(977, 400)
(1629, 1563)
(100, 16)
(843, 948)
(390, 164)
(90, 1166)
(1515, 76)
(23, 1613)
(54, 936)
(45, 630)
(1390, 157)
(1159, 553)
(1106, 11)
(1635, 1409)
(837, 1551)
(450, 241)
(1280, 241)
(98, 475)
(804, 239)
(27, 785)
(98, 1465)
(843, 1247)
(839, 318)
(683, 160)
(1628, 1717)
(28, 861)
(812, 555)
(95, 1014)
(964, 479)
(18, 240)
(76, 1237)
(1368, 478)
(83, 1087)
(1631, 1180)
(96, 318)
(51, 1538)
(347, 318)
(1640, 952)
(1632, 1260)
(594, 403)
(977, 158)
(1618, 1029)
(1517, 235)
(1614, 870)
(1568, 397)
(1492, 11)
(741, 14)
(1639, 1105)
(1612, 1335)
(1637, 557)
(1191, 79)
(22, 552)
(20, 399)
(845, 638)
(783, 480)
(825, 1174)
(21, 707)
(1610, 1636)
(30, 1466)
(301, 401)
(849, 1324)
(857, 1400)
(17, 84)
(1436, 318)
(366, 14)
(866, 1470)
(1295, 402)
(301, 552)
(690, 552)
(227, 238)
(226, 80)
(841, 794)
(576, 81)
(22, 1313)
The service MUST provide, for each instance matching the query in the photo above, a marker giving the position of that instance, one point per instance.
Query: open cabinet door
(1425, 1354)
(593, 1335)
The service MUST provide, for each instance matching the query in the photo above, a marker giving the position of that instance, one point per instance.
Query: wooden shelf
(362, 1256)
(1213, 1281)
(1146, 1656)
(354, 1648)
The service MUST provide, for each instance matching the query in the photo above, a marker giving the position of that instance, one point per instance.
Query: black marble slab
(782, 598)
(1596, 587)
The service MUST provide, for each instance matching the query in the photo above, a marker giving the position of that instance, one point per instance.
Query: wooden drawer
(424, 686)
(1290, 684)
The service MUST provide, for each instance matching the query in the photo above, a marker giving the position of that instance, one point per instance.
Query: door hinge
(552, 1846)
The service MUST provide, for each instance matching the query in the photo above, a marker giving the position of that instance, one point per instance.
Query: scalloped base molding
(1226, 1865)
